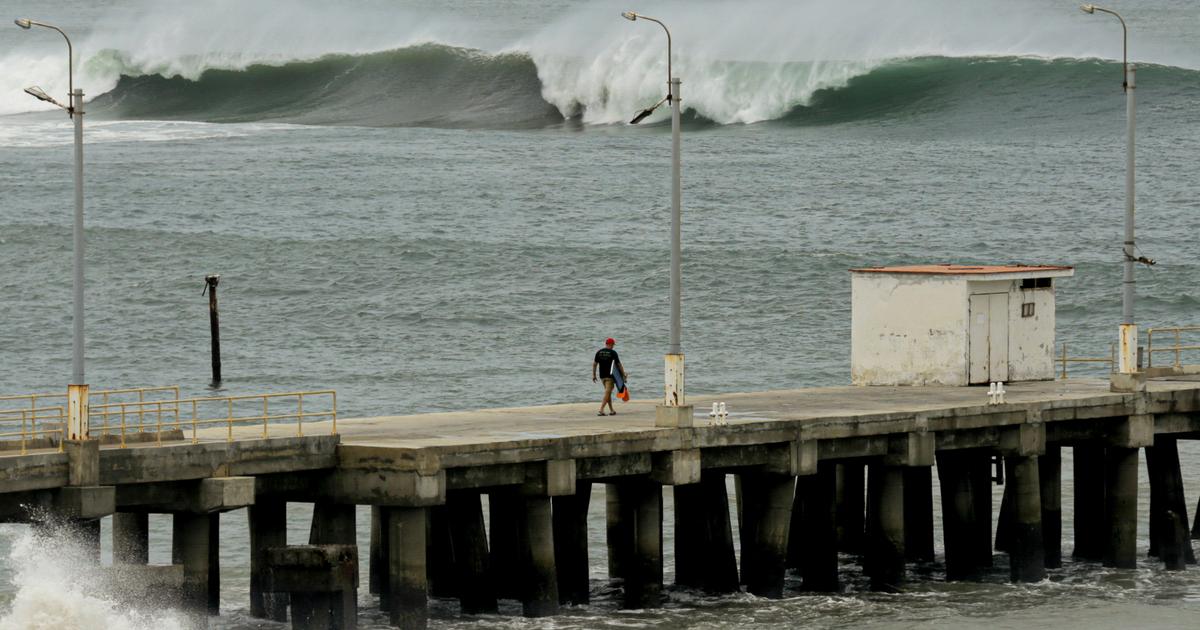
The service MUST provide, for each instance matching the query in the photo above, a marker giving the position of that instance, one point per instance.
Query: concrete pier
(794, 454)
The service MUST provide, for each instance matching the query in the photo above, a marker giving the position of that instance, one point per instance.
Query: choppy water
(435, 207)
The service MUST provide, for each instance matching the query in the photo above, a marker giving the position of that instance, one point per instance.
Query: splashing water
(58, 588)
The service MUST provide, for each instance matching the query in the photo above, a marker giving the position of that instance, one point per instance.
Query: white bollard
(713, 413)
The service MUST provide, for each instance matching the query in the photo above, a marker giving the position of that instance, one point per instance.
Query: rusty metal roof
(956, 270)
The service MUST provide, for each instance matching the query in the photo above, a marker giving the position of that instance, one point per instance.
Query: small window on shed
(1037, 283)
(1027, 309)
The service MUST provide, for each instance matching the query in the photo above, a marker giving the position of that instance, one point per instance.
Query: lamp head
(23, 23)
(1088, 8)
(628, 15)
(36, 92)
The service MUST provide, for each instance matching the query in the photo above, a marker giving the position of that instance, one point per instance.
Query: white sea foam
(588, 58)
(57, 588)
(56, 133)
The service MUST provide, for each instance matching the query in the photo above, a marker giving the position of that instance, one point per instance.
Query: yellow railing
(231, 411)
(1063, 360)
(1177, 348)
(103, 397)
(28, 419)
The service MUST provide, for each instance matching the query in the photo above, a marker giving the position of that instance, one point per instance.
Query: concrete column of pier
(918, 513)
(571, 544)
(1026, 552)
(1090, 518)
(617, 532)
(1050, 477)
(851, 506)
(885, 526)
(535, 555)
(406, 596)
(765, 501)
(960, 524)
(815, 541)
(336, 524)
(1121, 490)
(979, 470)
(504, 507)
(131, 538)
(634, 513)
(441, 559)
(704, 553)
(1169, 536)
(377, 558)
(268, 528)
(192, 546)
(476, 590)
(1006, 520)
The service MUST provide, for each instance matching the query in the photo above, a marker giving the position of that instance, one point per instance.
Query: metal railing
(142, 414)
(1063, 360)
(28, 419)
(1177, 348)
(231, 411)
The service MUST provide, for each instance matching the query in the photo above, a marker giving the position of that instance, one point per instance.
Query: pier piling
(131, 538)
(535, 536)
(476, 589)
(1050, 477)
(1026, 551)
(405, 596)
(851, 510)
(766, 505)
(704, 554)
(1089, 500)
(885, 526)
(918, 513)
(268, 528)
(1121, 472)
(817, 540)
(571, 544)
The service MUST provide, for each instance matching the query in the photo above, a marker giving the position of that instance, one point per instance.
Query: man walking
(607, 361)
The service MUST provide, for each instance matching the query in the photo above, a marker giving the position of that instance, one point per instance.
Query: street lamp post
(1128, 340)
(674, 411)
(77, 390)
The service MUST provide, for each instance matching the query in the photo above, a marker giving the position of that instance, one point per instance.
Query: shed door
(989, 337)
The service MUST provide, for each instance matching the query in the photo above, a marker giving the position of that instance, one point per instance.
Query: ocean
(439, 206)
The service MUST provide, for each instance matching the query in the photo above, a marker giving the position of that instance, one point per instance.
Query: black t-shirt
(606, 357)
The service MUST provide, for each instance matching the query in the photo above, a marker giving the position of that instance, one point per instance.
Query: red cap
(610, 342)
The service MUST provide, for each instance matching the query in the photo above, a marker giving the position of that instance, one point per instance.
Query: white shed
(952, 324)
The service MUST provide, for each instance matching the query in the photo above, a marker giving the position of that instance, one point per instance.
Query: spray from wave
(58, 588)
(746, 62)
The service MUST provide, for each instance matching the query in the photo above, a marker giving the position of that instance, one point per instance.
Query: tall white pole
(1128, 332)
(77, 390)
(673, 393)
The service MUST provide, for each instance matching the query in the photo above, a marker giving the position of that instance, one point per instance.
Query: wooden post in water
(214, 324)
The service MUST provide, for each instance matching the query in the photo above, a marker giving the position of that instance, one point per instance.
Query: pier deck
(801, 459)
